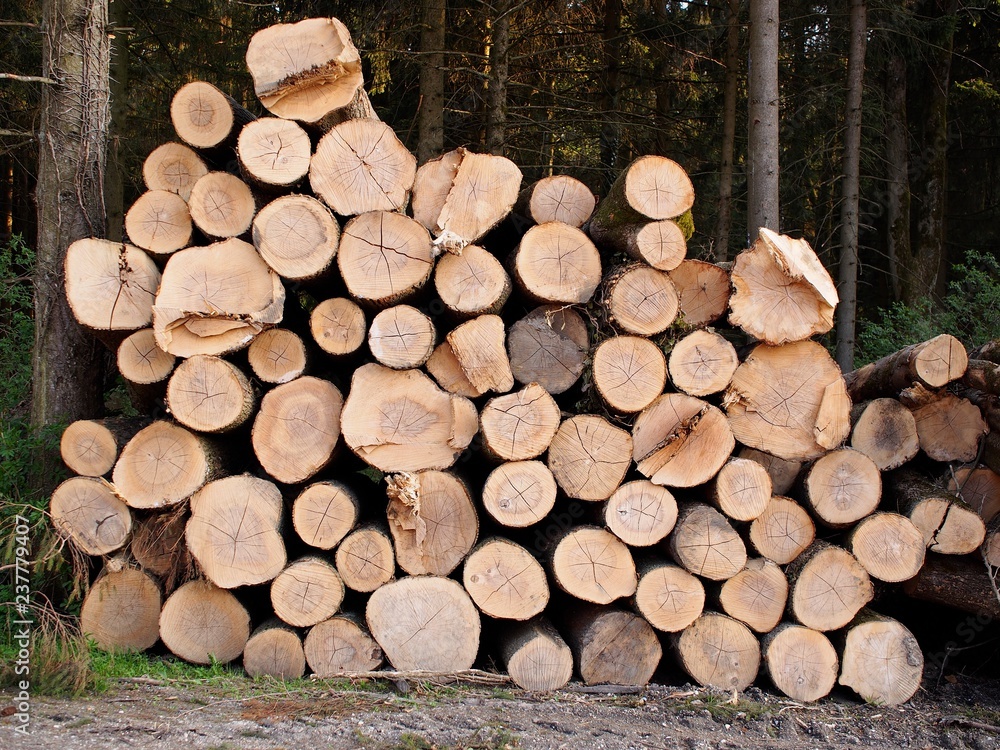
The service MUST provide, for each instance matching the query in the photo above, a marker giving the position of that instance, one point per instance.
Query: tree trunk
(340, 645)
(897, 159)
(114, 188)
(425, 622)
(307, 592)
(724, 220)
(849, 222)
(505, 581)
(704, 543)
(202, 624)
(762, 149)
(608, 100)
(430, 117)
(961, 582)
(801, 662)
(717, 651)
(274, 650)
(67, 363)
(535, 655)
(496, 85)
(933, 363)
(234, 531)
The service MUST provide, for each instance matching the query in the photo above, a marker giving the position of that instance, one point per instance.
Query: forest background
(578, 87)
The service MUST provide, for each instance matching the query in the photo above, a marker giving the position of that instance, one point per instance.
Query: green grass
(722, 708)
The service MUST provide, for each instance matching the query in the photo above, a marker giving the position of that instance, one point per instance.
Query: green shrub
(970, 311)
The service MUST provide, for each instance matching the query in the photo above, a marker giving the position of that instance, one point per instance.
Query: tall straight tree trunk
(430, 120)
(762, 151)
(114, 189)
(848, 277)
(496, 93)
(724, 220)
(67, 364)
(924, 273)
(611, 128)
(897, 210)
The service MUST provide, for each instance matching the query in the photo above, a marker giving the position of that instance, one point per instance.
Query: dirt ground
(961, 713)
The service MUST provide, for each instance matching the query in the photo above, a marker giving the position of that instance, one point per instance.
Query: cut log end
(274, 651)
(881, 661)
(549, 347)
(629, 372)
(341, 645)
(589, 457)
(613, 647)
(801, 662)
(365, 559)
(338, 326)
(323, 514)
(173, 167)
(277, 356)
(401, 337)
(307, 592)
(505, 581)
(121, 612)
(641, 513)
(704, 543)
(828, 587)
(201, 623)
(297, 236)
(717, 651)
(669, 597)
(782, 531)
(521, 425)
(536, 656)
(593, 565)
(519, 493)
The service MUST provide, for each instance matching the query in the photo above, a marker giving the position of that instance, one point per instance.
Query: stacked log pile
(381, 418)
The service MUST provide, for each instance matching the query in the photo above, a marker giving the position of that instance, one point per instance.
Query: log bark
(640, 300)
(521, 425)
(556, 198)
(121, 612)
(306, 70)
(275, 651)
(660, 244)
(110, 286)
(365, 559)
(338, 326)
(535, 655)
(556, 262)
(885, 431)
(340, 645)
(519, 493)
(234, 531)
(460, 196)
(361, 166)
(589, 457)
(163, 465)
(741, 490)
(948, 525)
(549, 346)
(612, 646)
(209, 394)
(783, 473)
(473, 283)
(505, 581)
(204, 117)
(702, 363)
(215, 299)
(90, 447)
(828, 587)
(717, 651)
(782, 291)
(959, 582)
(159, 222)
(433, 522)
(426, 623)
(273, 153)
(789, 401)
(932, 363)
(401, 337)
(628, 373)
(401, 421)
(324, 513)
(703, 291)
(668, 596)
(278, 356)
(640, 513)
(202, 623)
(978, 486)
(949, 428)
(756, 596)
(681, 441)
(384, 258)
(173, 167)
(881, 660)
(982, 375)
(801, 662)
(783, 531)
(843, 487)
(158, 546)
(593, 565)
(704, 543)
(651, 187)
(222, 205)
(889, 546)
(298, 237)
(307, 592)
(297, 428)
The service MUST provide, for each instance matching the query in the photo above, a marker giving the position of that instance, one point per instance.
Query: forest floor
(242, 714)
